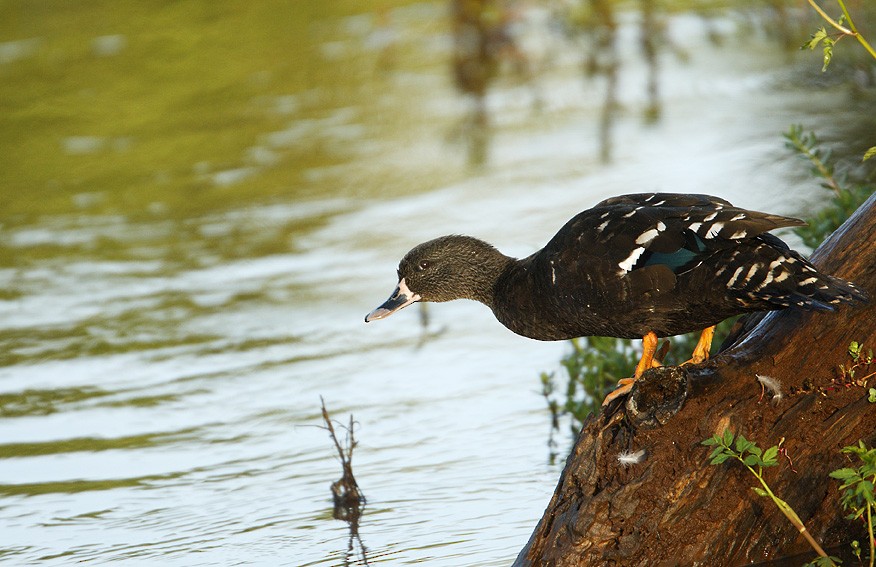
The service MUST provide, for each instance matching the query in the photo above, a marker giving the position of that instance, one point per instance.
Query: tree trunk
(673, 508)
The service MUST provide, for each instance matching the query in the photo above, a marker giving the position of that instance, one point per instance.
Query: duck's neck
(494, 267)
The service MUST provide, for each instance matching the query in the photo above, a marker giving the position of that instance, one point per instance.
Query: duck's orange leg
(649, 347)
(704, 345)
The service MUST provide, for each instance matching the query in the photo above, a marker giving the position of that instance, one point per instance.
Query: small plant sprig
(827, 42)
(755, 460)
(809, 147)
(847, 196)
(858, 493)
(821, 35)
(861, 360)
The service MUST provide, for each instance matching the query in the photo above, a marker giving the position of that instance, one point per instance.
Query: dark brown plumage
(637, 265)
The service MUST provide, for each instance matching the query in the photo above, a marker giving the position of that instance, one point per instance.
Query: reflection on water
(347, 497)
(201, 201)
(487, 36)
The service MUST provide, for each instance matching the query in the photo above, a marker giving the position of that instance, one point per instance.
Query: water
(176, 298)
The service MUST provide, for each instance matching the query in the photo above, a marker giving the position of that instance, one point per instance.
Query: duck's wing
(672, 230)
(637, 245)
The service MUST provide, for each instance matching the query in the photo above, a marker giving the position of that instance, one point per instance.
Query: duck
(640, 266)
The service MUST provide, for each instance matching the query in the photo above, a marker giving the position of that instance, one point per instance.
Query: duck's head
(443, 269)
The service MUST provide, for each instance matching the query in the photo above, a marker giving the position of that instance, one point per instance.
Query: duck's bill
(400, 298)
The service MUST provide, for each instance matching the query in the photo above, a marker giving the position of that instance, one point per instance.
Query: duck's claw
(649, 348)
(704, 345)
(623, 388)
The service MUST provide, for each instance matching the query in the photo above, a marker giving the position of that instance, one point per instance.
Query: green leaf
(872, 395)
(720, 459)
(865, 490)
(742, 444)
(728, 437)
(769, 456)
(815, 39)
(759, 491)
(713, 440)
(828, 54)
(752, 460)
(717, 451)
(821, 37)
(844, 474)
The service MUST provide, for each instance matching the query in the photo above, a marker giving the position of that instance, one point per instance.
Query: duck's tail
(826, 292)
(783, 278)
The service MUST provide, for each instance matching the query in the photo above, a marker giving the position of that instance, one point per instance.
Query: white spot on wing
(752, 271)
(646, 237)
(627, 265)
(809, 281)
(711, 216)
(735, 276)
(739, 234)
(695, 226)
(714, 230)
(766, 281)
(601, 227)
(660, 226)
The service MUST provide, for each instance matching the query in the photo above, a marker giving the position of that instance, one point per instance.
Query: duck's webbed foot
(648, 360)
(704, 345)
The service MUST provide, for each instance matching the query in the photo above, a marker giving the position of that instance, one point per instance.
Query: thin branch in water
(348, 498)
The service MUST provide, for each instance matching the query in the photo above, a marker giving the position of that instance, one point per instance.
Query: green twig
(857, 489)
(851, 30)
(857, 35)
(808, 146)
(750, 455)
(787, 511)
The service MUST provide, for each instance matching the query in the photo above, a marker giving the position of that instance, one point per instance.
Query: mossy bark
(673, 508)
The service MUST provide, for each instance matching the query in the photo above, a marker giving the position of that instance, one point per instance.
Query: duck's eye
(423, 265)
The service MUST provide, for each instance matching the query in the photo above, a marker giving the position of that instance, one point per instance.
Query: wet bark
(673, 508)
